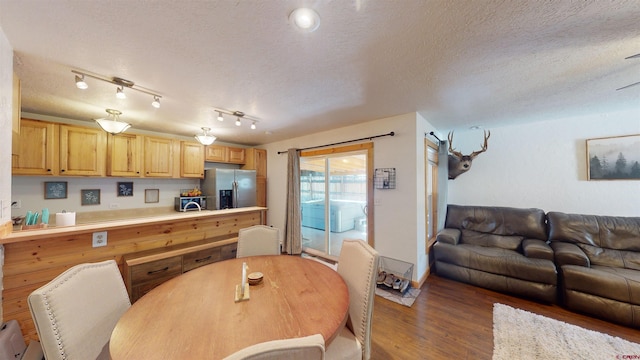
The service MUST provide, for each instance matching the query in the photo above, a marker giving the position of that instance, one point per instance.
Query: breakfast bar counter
(35, 257)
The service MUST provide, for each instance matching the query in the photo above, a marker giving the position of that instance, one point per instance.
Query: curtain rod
(342, 142)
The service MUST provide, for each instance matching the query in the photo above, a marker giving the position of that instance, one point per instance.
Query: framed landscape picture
(614, 158)
(55, 189)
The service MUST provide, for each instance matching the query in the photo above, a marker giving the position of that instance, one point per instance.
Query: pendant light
(111, 123)
(205, 138)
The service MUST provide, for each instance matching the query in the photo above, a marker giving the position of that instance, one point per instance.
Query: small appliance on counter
(190, 200)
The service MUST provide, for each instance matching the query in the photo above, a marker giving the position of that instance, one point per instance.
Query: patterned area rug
(519, 334)
(407, 299)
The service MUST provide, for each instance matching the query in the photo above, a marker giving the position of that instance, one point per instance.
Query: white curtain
(292, 231)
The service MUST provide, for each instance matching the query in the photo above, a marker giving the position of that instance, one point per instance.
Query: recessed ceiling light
(305, 19)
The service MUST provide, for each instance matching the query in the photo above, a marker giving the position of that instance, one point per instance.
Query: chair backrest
(258, 240)
(76, 312)
(358, 266)
(307, 348)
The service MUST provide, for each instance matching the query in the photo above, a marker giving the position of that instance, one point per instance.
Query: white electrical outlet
(16, 204)
(114, 206)
(99, 239)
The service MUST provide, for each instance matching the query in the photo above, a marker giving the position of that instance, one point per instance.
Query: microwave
(188, 203)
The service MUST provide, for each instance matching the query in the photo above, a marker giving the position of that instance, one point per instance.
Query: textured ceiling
(458, 63)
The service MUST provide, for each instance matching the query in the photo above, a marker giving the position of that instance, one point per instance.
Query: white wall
(399, 215)
(6, 98)
(544, 165)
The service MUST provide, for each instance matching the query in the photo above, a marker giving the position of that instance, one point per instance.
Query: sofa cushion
(491, 240)
(529, 223)
(610, 232)
(603, 281)
(610, 257)
(497, 261)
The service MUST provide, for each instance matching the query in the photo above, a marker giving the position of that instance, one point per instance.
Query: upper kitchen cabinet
(83, 151)
(256, 159)
(37, 149)
(192, 156)
(158, 157)
(124, 155)
(15, 123)
(225, 154)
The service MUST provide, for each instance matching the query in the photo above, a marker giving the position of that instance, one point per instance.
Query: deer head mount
(460, 163)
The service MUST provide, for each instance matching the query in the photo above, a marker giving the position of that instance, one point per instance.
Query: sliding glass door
(334, 194)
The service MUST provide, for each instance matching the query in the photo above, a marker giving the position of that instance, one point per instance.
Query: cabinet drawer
(229, 251)
(196, 259)
(138, 291)
(156, 269)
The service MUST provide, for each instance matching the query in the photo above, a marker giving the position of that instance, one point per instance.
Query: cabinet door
(216, 153)
(235, 155)
(124, 153)
(261, 191)
(158, 157)
(83, 151)
(256, 159)
(192, 160)
(37, 149)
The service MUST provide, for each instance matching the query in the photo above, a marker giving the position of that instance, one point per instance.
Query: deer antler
(457, 154)
(487, 134)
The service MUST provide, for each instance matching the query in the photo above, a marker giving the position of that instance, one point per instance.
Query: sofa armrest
(449, 236)
(569, 254)
(537, 249)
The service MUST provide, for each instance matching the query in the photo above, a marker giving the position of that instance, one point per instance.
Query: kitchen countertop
(96, 224)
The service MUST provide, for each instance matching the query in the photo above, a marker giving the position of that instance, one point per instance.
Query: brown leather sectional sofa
(590, 264)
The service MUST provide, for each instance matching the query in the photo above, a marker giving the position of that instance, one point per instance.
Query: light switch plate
(99, 239)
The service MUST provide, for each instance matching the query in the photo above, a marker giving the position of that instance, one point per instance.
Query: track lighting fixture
(111, 123)
(239, 117)
(80, 83)
(119, 82)
(205, 138)
(120, 94)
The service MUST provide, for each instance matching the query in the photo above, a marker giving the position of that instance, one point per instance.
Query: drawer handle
(203, 259)
(157, 271)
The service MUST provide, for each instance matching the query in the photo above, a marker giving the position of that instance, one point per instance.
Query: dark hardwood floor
(452, 320)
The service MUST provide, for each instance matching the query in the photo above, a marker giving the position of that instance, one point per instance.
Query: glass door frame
(368, 149)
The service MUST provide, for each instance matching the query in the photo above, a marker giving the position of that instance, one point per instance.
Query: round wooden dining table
(195, 315)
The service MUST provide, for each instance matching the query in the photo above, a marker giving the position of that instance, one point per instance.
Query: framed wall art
(151, 195)
(90, 197)
(55, 189)
(125, 189)
(614, 158)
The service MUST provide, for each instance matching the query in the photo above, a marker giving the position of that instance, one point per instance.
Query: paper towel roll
(65, 219)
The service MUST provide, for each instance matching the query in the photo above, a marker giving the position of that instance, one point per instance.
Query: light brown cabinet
(37, 149)
(124, 155)
(225, 154)
(192, 160)
(83, 151)
(144, 271)
(256, 159)
(158, 157)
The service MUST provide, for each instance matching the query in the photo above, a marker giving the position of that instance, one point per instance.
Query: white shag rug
(519, 334)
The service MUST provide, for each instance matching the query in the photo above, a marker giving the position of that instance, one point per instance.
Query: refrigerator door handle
(235, 194)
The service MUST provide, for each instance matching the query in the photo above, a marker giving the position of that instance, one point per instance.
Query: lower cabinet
(145, 270)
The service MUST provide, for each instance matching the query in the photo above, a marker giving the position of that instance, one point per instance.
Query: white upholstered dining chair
(258, 240)
(304, 348)
(76, 312)
(358, 266)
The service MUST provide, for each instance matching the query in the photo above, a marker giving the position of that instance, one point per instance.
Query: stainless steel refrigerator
(229, 188)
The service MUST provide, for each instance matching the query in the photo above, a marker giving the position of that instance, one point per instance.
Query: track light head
(156, 102)
(120, 93)
(253, 125)
(238, 123)
(220, 118)
(80, 83)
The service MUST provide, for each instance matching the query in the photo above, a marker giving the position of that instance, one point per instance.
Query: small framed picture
(125, 189)
(55, 190)
(90, 197)
(151, 195)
